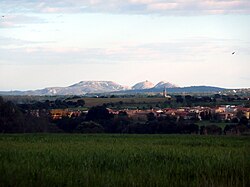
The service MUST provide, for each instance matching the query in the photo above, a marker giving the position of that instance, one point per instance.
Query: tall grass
(124, 160)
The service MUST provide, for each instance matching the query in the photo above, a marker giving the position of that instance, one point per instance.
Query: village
(219, 113)
(176, 114)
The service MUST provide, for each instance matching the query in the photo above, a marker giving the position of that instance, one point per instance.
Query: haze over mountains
(85, 87)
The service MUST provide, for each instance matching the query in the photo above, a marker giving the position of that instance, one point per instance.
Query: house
(58, 113)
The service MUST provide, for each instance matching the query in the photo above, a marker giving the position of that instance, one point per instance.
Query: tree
(80, 102)
(1, 101)
(179, 99)
(211, 130)
(189, 100)
(89, 127)
(230, 129)
(243, 120)
(11, 118)
(67, 124)
(151, 116)
(188, 128)
(235, 120)
(152, 127)
(167, 127)
(240, 114)
(137, 128)
(98, 113)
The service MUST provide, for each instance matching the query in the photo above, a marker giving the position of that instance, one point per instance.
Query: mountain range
(87, 87)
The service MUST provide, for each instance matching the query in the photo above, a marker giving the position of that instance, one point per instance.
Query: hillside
(164, 84)
(143, 85)
(80, 88)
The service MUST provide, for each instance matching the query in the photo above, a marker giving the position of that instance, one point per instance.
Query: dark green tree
(89, 127)
(80, 103)
(97, 113)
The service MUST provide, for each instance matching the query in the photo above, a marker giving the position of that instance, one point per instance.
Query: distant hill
(149, 85)
(143, 85)
(195, 89)
(80, 88)
(97, 86)
(92, 87)
(191, 89)
(164, 84)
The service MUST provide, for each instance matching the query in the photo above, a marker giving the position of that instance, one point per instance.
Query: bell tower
(165, 92)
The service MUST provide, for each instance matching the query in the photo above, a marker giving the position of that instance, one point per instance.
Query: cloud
(175, 51)
(5, 42)
(12, 43)
(166, 7)
(18, 20)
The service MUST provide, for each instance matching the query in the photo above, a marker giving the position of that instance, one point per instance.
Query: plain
(123, 160)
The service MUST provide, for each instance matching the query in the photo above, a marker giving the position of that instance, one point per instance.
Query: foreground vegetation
(124, 160)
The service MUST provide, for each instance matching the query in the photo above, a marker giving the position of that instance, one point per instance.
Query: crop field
(149, 101)
(124, 160)
(89, 102)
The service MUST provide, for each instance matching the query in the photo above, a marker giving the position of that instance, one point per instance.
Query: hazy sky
(186, 42)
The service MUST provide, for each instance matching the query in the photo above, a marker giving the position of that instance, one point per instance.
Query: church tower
(165, 95)
(165, 92)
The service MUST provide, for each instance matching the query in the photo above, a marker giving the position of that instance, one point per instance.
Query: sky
(185, 42)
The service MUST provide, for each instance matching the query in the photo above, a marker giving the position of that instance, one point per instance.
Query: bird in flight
(233, 53)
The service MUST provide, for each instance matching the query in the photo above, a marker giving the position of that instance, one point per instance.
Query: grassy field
(89, 102)
(150, 101)
(124, 160)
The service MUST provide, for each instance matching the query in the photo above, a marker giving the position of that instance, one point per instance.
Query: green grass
(148, 102)
(90, 102)
(124, 160)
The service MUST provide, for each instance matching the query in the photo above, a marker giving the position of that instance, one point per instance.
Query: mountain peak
(143, 85)
(83, 83)
(98, 86)
(165, 84)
